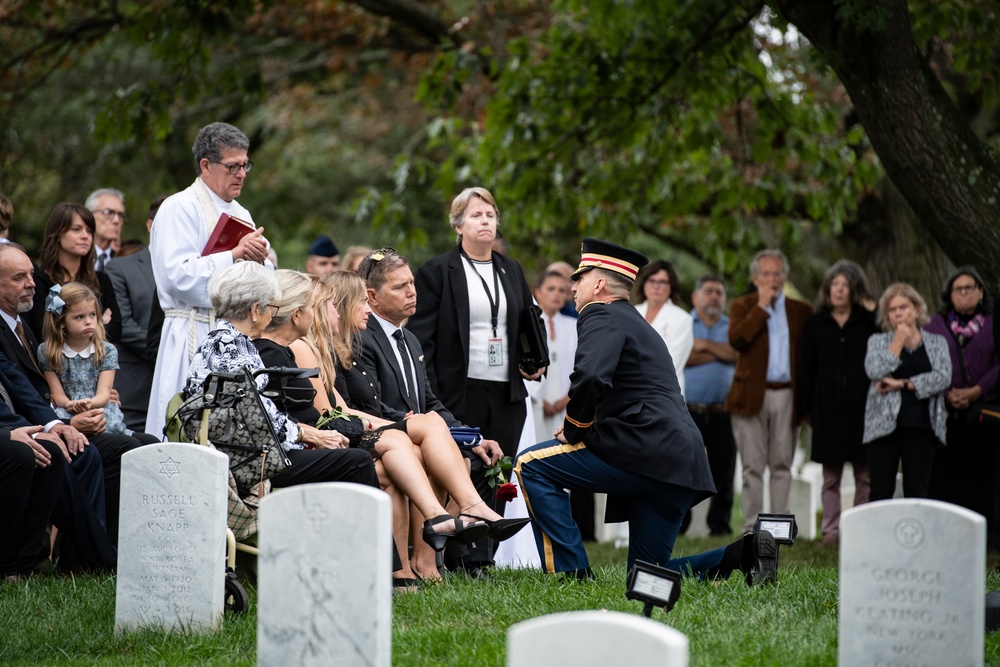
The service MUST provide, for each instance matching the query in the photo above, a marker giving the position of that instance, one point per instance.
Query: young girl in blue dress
(78, 363)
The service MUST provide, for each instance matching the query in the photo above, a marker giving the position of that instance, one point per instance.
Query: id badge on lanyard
(494, 351)
(494, 345)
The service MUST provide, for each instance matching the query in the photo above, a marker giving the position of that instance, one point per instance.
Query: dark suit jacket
(29, 409)
(379, 359)
(135, 291)
(441, 323)
(625, 403)
(15, 353)
(748, 334)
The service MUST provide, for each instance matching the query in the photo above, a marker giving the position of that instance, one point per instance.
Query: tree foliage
(702, 130)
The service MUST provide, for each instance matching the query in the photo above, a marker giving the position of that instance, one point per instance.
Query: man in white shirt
(108, 207)
(180, 232)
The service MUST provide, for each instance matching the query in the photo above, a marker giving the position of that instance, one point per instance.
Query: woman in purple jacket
(965, 472)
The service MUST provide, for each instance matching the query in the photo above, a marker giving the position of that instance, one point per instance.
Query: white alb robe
(179, 234)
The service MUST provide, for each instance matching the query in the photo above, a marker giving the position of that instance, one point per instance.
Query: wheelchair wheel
(237, 600)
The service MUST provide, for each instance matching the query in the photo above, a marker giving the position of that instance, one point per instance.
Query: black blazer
(35, 318)
(625, 403)
(379, 359)
(832, 385)
(441, 323)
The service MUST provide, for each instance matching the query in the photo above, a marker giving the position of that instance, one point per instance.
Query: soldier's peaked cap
(598, 254)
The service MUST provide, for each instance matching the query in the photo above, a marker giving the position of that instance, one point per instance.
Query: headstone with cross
(172, 538)
(324, 576)
(912, 578)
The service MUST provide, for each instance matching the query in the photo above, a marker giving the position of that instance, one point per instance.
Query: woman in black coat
(832, 384)
(469, 304)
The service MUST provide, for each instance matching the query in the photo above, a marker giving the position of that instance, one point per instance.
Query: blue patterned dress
(79, 380)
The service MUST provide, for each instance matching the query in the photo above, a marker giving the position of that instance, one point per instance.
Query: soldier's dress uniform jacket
(630, 435)
(625, 402)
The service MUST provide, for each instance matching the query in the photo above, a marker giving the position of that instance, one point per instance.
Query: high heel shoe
(501, 529)
(464, 533)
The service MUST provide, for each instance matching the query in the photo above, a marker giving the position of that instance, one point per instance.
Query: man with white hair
(765, 328)
(108, 207)
(183, 227)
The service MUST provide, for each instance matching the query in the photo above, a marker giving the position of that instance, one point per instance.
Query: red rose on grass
(506, 492)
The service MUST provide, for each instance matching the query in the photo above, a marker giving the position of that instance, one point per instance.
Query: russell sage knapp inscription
(912, 579)
(171, 551)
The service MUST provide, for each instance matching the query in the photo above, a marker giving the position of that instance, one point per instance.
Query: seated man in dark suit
(18, 345)
(398, 366)
(79, 508)
(31, 471)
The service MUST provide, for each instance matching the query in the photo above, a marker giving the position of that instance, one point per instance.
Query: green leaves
(499, 473)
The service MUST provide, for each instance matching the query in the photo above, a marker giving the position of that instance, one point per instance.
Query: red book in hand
(227, 234)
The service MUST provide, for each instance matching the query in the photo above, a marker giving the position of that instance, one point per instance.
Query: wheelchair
(237, 601)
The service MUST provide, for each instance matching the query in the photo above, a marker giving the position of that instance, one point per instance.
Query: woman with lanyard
(469, 304)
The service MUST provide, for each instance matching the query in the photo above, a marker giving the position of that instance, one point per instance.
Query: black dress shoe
(501, 529)
(764, 568)
(463, 532)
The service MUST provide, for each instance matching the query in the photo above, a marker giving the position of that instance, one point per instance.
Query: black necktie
(405, 356)
(100, 262)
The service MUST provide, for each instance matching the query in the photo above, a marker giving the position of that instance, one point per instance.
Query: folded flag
(466, 437)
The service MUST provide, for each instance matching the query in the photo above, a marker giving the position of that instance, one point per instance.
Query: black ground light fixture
(654, 586)
(781, 526)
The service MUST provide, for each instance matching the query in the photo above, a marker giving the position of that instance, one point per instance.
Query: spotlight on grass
(781, 526)
(654, 586)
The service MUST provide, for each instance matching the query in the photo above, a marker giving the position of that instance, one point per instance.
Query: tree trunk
(949, 177)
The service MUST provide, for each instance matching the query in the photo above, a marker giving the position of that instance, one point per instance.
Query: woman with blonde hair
(905, 413)
(340, 311)
(467, 320)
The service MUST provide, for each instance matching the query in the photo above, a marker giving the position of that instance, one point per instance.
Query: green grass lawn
(69, 620)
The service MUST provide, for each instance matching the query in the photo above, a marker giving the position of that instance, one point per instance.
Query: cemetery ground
(69, 620)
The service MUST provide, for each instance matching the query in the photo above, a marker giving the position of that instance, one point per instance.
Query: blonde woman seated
(244, 297)
(340, 310)
(292, 318)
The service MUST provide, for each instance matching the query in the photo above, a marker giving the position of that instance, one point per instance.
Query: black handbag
(532, 340)
(229, 414)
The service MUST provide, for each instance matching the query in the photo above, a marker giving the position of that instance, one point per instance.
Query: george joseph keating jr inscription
(912, 578)
(172, 542)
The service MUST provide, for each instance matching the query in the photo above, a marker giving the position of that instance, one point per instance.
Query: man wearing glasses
(180, 232)
(108, 207)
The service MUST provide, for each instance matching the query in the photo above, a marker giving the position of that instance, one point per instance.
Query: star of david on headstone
(318, 516)
(170, 467)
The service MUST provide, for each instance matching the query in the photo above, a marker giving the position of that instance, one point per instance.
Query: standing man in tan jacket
(765, 327)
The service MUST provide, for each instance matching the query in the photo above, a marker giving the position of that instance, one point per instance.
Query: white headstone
(172, 538)
(912, 580)
(324, 577)
(802, 502)
(595, 639)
